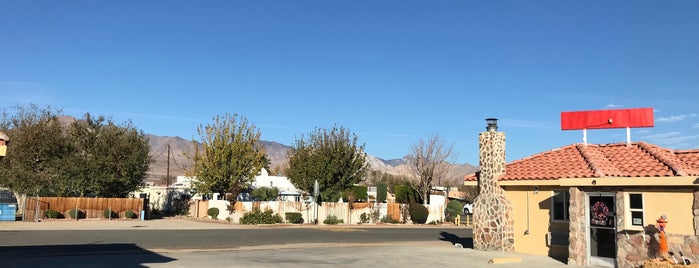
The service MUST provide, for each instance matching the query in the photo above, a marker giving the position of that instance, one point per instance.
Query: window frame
(628, 217)
(566, 205)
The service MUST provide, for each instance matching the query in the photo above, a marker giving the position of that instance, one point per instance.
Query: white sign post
(315, 199)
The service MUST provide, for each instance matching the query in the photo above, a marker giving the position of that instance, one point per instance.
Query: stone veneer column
(493, 224)
(577, 243)
(695, 208)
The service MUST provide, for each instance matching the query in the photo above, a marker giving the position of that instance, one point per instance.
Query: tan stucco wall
(676, 204)
(538, 223)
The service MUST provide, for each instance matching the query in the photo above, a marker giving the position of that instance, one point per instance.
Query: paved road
(176, 243)
(236, 238)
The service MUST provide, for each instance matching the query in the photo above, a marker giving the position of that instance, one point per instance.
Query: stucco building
(592, 204)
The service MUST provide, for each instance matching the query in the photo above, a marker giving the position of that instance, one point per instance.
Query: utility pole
(168, 194)
(196, 154)
(167, 173)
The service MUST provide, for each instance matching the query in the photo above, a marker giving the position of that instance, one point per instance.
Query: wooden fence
(394, 211)
(88, 207)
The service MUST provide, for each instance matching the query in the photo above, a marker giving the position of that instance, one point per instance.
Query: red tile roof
(610, 160)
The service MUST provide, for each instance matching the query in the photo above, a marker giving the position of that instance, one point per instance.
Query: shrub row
(76, 213)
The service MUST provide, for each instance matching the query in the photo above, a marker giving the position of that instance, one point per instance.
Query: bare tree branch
(429, 161)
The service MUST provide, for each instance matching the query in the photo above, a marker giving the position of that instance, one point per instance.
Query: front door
(602, 231)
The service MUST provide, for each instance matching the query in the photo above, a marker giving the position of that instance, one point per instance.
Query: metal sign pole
(315, 199)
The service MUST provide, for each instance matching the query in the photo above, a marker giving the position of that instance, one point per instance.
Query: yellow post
(457, 220)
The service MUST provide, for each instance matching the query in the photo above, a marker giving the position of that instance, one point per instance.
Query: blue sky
(392, 72)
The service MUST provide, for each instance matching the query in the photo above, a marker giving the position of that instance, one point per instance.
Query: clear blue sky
(390, 71)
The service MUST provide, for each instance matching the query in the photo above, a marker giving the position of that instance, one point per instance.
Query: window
(634, 215)
(560, 200)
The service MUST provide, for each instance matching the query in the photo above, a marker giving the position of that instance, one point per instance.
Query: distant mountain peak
(276, 152)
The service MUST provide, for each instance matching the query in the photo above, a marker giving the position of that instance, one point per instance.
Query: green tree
(330, 156)
(265, 193)
(230, 156)
(58, 156)
(381, 192)
(108, 160)
(36, 153)
(391, 180)
(407, 194)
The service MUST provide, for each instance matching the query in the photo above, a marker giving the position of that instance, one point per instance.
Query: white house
(287, 190)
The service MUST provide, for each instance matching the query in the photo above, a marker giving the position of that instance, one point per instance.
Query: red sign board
(600, 119)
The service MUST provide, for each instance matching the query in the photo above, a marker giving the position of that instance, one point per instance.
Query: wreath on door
(599, 213)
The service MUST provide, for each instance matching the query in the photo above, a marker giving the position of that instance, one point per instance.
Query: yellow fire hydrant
(457, 220)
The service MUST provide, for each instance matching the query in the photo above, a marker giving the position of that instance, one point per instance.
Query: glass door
(602, 231)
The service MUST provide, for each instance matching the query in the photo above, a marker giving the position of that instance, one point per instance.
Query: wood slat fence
(88, 207)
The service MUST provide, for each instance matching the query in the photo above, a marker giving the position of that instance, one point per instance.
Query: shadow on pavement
(454, 239)
(86, 255)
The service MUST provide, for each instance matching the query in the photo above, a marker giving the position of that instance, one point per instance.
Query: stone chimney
(493, 219)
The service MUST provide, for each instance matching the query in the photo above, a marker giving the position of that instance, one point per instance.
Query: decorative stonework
(633, 248)
(695, 208)
(493, 223)
(577, 243)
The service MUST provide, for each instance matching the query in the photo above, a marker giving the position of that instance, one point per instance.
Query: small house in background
(287, 190)
(4, 139)
(167, 197)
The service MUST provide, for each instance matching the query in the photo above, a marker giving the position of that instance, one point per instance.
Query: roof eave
(632, 181)
(604, 181)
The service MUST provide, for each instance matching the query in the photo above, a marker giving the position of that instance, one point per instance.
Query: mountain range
(180, 150)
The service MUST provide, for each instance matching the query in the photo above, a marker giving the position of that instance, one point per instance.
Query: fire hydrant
(457, 220)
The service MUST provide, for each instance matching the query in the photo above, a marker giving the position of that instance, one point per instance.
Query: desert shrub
(52, 214)
(75, 213)
(109, 214)
(129, 214)
(453, 208)
(259, 217)
(294, 217)
(364, 218)
(332, 220)
(388, 219)
(418, 213)
(213, 213)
